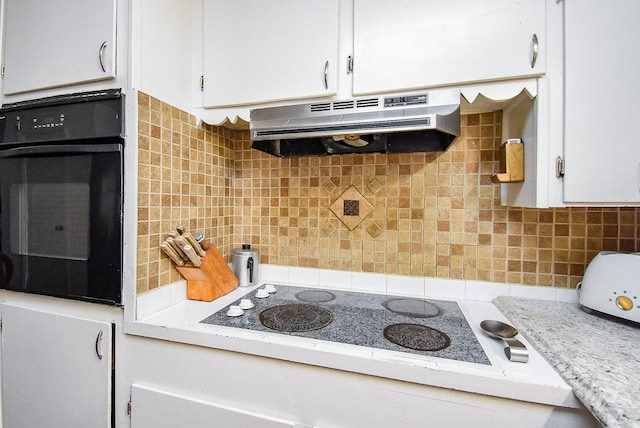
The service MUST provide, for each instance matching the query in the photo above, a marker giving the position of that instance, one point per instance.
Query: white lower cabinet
(179, 385)
(157, 407)
(56, 370)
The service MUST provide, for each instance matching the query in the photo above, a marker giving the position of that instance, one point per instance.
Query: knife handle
(191, 253)
(177, 248)
(168, 250)
(196, 246)
(180, 242)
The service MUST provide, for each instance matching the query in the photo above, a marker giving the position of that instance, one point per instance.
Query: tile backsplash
(185, 177)
(420, 214)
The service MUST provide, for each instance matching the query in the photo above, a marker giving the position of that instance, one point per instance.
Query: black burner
(315, 296)
(415, 308)
(416, 336)
(295, 317)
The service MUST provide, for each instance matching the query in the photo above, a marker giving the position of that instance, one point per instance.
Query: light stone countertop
(597, 355)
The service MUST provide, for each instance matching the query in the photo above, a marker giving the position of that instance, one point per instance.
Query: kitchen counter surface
(535, 381)
(595, 354)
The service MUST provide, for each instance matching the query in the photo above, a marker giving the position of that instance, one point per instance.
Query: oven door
(61, 221)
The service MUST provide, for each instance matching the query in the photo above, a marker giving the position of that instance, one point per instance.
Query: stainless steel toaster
(611, 285)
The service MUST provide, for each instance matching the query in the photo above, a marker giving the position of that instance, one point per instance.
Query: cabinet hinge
(559, 167)
(202, 83)
(2, 70)
(129, 408)
(349, 64)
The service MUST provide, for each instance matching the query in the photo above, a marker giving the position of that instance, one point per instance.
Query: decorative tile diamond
(374, 230)
(345, 208)
(374, 186)
(328, 229)
(329, 185)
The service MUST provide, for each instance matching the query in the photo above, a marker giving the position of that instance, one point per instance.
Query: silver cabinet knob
(326, 75)
(103, 47)
(534, 44)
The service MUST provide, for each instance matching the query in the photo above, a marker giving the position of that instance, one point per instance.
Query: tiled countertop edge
(163, 297)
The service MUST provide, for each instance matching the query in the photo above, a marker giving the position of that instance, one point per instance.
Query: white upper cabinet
(408, 44)
(57, 43)
(164, 48)
(602, 152)
(257, 51)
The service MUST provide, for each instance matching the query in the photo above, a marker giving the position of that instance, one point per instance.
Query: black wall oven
(61, 196)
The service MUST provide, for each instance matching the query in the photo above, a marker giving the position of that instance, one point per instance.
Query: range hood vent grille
(321, 107)
(367, 102)
(343, 105)
(368, 124)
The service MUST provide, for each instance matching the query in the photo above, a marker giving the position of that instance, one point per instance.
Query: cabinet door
(256, 50)
(602, 154)
(57, 43)
(408, 44)
(159, 408)
(52, 375)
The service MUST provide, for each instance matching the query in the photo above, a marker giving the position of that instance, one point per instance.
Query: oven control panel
(62, 119)
(41, 123)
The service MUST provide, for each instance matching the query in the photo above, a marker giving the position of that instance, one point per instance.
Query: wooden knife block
(211, 280)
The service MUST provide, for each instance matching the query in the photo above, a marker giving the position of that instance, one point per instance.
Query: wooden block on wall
(511, 162)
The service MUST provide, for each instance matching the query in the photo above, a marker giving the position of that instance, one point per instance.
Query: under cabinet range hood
(404, 123)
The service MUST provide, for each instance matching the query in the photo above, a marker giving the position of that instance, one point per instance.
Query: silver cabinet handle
(98, 343)
(559, 167)
(534, 57)
(103, 47)
(326, 75)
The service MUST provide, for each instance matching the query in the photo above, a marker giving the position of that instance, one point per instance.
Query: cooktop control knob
(624, 303)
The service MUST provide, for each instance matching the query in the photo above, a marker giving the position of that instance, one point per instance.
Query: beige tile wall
(185, 175)
(434, 214)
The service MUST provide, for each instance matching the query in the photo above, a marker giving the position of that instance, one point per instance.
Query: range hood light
(352, 139)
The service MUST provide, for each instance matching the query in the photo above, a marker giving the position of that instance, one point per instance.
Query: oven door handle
(56, 149)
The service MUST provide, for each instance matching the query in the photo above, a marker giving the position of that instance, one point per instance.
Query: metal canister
(246, 265)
